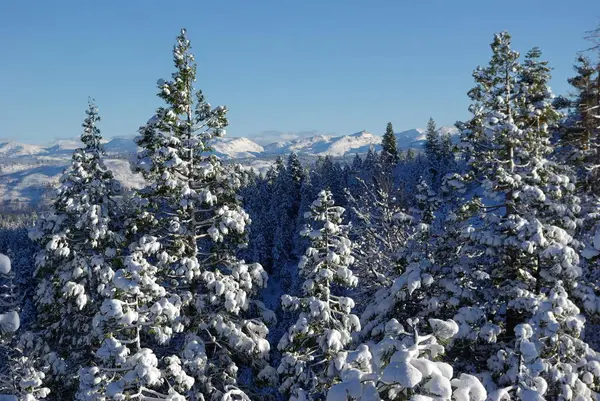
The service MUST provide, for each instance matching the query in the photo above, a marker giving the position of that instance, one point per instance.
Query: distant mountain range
(314, 144)
(27, 172)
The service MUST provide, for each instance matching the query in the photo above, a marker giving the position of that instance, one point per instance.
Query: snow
(236, 148)
(444, 330)
(15, 149)
(4, 264)
(468, 388)
(9, 322)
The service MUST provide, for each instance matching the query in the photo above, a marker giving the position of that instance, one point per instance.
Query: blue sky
(336, 66)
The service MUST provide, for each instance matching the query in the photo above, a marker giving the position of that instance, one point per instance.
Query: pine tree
(78, 239)
(389, 146)
(581, 128)
(379, 230)
(432, 141)
(325, 324)
(181, 274)
(396, 360)
(405, 364)
(433, 152)
(520, 249)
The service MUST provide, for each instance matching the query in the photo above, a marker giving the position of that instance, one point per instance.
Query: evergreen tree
(405, 365)
(181, 274)
(521, 249)
(325, 324)
(389, 146)
(581, 127)
(78, 239)
(396, 361)
(433, 152)
(379, 230)
(578, 146)
(432, 141)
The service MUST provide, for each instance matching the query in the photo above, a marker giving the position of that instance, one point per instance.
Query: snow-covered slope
(415, 138)
(409, 136)
(120, 145)
(15, 149)
(236, 148)
(322, 145)
(29, 181)
(355, 143)
(65, 144)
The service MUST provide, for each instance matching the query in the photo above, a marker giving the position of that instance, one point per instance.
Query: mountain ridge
(233, 147)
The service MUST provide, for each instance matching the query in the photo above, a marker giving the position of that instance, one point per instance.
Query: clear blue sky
(336, 66)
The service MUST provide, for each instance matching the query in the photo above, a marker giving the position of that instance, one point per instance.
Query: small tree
(78, 239)
(325, 324)
(432, 140)
(389, 145)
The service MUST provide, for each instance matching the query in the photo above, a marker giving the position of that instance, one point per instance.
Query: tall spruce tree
(181, 274)
(404, 334)
(379, 230)
(520, 247)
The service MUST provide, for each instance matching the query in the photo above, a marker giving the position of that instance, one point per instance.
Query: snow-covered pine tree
(397, 364)
(184, 241)
(415, 288)
(19, 379)
(379, 231)
(520, 247)
(578, 146)
(439, 154)
(581, 129)
(389, 146)
(325, 324)
(404, 365)
(78, 239)
(284, 208)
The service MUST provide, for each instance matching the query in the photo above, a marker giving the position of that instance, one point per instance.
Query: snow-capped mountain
(238, 147)
(15, 149)
(28, 171)
(120, 145)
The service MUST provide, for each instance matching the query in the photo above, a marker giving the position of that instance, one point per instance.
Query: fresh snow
(9, 322)
(4, 264)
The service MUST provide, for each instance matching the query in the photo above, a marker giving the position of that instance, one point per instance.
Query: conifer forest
(468, 270)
